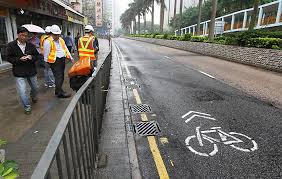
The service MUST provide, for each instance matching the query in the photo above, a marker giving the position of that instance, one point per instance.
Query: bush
(265, 43)
(172, 37)
(198, 38)
(165, 36)
(231, 41)
(159, 36)
(154, 35)
(187, 37)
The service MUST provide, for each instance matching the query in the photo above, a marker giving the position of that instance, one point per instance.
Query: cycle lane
(172, 90)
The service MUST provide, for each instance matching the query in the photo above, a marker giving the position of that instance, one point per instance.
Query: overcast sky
(124, 5)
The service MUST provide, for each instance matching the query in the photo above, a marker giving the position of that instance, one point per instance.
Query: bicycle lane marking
(162, 171)
(202, 135)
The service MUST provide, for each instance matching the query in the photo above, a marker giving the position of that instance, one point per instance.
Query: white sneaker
(52, 86)
(46, 85)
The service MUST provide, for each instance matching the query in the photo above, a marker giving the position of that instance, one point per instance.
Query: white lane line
(207, 74)
(167, 57)
(123, 62)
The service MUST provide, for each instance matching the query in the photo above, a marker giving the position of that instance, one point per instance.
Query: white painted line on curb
(123, 63)
(207, 74)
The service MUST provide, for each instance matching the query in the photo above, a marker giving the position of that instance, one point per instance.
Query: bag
(81, 67)
(77, 81)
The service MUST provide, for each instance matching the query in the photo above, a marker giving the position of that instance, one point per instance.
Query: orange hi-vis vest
(86, 48)
(53, 51)
(42, 39)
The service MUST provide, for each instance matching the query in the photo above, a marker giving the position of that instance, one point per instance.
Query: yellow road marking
(164, 140)
(153, 145)
(171, 162)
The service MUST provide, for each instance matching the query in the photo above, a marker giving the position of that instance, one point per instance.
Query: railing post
(189, 30)
(194, 30)
(232, 22)
(279, 12)
(260, 16)
(206, 29)
(245, 20)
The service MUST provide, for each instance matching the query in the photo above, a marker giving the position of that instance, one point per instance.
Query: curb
(133, 159)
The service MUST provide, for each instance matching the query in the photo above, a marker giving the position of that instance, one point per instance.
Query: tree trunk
(162, 16)
(139, 27)
(174, 15)
(212, 23)
(254, 15)
(145, 24)
(199, 17)
(134, 26)
(153, 11)
(180, 16)
(168, 12)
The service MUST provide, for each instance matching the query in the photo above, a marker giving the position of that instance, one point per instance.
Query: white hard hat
(89, 28)
(48, 29)
(55, 30)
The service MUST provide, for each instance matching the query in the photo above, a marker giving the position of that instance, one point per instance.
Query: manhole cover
(132, 86)
(130, 80)
(207, 96)
(140, 108)
(147, 128)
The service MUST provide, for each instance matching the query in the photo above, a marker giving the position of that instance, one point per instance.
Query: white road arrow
(197, 114)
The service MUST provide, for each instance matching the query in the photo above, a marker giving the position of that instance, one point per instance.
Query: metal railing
(73, 148)
(270, 15)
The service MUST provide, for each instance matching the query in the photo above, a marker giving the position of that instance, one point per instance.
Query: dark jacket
(21, 68)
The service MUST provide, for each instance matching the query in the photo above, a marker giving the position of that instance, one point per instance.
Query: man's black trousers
(58, 69)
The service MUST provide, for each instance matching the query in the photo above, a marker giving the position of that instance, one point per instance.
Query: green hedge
(273, 43)
(198, 39)
(270, 40)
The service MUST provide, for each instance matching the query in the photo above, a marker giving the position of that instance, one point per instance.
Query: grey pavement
(172, 85)
(28, 135)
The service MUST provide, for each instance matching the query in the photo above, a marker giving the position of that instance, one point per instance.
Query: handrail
(204, 29)
(77, 131)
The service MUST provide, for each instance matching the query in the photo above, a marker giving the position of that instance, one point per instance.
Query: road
(235, 129)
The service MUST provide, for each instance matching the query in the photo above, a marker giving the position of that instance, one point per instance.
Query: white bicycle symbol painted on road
(204, 145)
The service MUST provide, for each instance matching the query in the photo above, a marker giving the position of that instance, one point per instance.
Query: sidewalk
(28, 135)
(117, 140)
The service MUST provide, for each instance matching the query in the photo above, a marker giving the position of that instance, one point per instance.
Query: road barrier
(72, 151)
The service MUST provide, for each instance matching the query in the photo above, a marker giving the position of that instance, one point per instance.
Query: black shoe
(34, 100)
(65, 95)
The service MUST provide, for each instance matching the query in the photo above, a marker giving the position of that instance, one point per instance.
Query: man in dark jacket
(22, 55)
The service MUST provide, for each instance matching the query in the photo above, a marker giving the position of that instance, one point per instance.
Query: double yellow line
(153, 144)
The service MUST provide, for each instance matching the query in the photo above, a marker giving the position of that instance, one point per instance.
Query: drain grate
(150, 128)
(132, 86)
(130, 80)
(140, 108)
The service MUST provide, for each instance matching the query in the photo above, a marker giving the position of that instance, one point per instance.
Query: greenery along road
(189, 16)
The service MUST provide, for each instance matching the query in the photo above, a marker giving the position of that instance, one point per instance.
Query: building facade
(15, 13)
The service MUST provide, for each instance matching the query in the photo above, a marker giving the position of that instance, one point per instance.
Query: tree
(199, 17)
(180, 16)
(212, 23)
(174, 15)
(162, 15)
(153, 11)
(254, 15)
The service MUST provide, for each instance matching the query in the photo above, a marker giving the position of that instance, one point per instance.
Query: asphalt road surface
(209, 129)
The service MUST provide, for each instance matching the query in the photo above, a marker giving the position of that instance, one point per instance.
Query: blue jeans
(21, 88)
(48, 75)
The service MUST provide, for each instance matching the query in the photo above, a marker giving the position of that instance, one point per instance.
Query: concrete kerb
(133, 159)
(267, 59)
